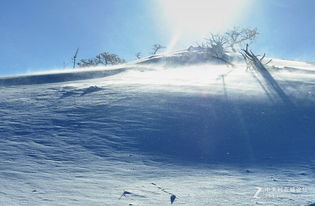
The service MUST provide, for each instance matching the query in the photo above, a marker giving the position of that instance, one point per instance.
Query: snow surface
(209, 134)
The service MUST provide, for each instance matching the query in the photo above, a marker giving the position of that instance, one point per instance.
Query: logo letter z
(256, 196)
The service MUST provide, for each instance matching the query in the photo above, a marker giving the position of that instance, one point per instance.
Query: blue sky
(43, 35)
(287, 28)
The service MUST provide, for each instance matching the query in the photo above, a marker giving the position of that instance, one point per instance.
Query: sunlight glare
(199, 17)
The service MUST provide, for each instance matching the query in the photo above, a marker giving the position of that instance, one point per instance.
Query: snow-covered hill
(136, 134)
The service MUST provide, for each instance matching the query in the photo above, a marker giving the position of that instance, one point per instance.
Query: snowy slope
(210, 134)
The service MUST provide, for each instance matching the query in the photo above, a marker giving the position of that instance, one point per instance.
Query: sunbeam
(196, 18)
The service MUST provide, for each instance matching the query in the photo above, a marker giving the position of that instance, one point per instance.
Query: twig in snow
(172, 197)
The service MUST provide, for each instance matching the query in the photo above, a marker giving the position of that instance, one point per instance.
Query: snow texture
(148, 134)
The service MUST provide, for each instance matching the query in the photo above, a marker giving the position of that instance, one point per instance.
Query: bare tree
(216, 39)
(65, 64)
(216, 45)
(252, 60)
(115, 59)
(270, 85)
(138, 55)
(156, 48)
(87, 63)
(233, 39)
(240, 37)
(74, 58)
(104, 58)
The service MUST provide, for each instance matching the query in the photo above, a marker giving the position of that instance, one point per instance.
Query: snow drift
(126, 123)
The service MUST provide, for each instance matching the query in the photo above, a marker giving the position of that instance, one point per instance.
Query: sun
(199, 17)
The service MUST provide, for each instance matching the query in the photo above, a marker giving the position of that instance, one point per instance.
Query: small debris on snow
(173, 197)
(125, 193)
